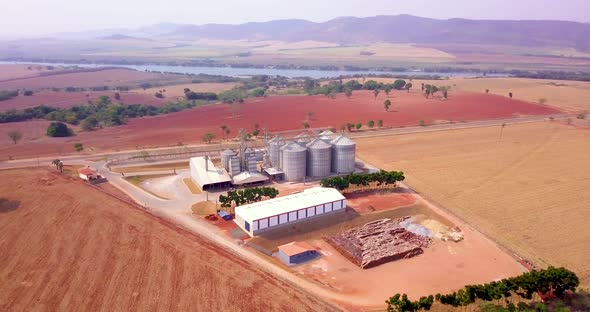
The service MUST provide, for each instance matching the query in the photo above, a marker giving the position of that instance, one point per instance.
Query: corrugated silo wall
(294, 164)
(319, 161)
(343, 158)
(274, 150)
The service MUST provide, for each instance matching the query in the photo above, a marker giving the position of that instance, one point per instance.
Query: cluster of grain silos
(316, 158)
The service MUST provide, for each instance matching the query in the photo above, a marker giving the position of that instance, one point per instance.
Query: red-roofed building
(88, 174)
(296, 253)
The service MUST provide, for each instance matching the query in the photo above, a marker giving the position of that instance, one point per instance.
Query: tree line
(314, 87)
(551, 283)
(103, 113)
(363, 179)
(247, 196)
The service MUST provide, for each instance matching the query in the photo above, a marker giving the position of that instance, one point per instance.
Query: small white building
(88, 174)
(206, 175)
(273, 213)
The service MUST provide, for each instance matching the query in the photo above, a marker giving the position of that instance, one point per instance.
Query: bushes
(208, 96)
(247, 196)
(7, 95)
(549, 284)
(364, 179)
(58, 130)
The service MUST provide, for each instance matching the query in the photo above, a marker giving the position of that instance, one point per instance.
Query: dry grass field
(15, 71)
(67, 247)
(178, 90)
(528, 191)
(570, 96)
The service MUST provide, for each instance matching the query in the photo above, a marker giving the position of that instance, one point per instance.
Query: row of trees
(7, 95)
(247, 196)
(363, 179)
(549, 284)
(314, 87)
(207, 96)
(430, 90)
(357, 126)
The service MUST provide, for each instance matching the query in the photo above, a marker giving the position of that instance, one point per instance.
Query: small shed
(88, 174)
(296, 253)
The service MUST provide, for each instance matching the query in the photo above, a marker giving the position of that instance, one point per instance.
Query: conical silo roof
(343, 141)
(318, 144)
(293, 147)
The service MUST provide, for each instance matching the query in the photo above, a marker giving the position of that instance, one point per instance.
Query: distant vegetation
(548, 284)
(103, 113)
(7, 95)
(314, 87)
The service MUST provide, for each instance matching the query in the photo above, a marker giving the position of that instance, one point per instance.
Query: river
(248, 72)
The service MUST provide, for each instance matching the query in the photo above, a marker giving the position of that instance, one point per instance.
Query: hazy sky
(26, 17)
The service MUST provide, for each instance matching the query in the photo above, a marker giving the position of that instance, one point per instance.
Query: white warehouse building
(270, 214)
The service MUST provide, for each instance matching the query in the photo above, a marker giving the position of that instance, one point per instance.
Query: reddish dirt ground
(108, 77)
(69, 99)
(279, 113)
(68, 247)
(375, 201)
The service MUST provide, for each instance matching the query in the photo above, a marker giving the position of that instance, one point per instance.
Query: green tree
(305, 125)
(208, 137)
(89, 123)
(79, 147)
(510, 94)
(58, 129)
(28, 93)
(387, 104)
(259, 92)
(370, 124)
(358, 126)
(380, 123)
(59, 166)
(15, 135)
(348, 93)
(399, 84)
(387, 88)
(408, 86)
(376, 93)
(117, 96)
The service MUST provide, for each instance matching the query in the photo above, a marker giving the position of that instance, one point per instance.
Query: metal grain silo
(302, 139)
(343, 155)
(274, 151)
(319, 158)
(226, 155)
(293, 161)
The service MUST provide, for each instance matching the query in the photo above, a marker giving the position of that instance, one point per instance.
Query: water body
(248, 72)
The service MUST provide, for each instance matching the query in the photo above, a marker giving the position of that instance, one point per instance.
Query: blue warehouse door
(247, 226)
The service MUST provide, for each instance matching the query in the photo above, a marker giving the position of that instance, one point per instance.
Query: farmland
(525, 186)
(564, 95)
(88, 79)
(89, 251)
(189, 126)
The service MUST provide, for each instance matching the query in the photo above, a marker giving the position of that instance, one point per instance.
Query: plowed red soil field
(68, 247)
(279, 113)
(69, 99)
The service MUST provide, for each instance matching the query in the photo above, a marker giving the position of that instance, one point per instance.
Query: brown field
(66, 246)
(569, 96)
(528, 191)
(178, 90)
(14, 71)
(69, 99)
(108, 77)
(407, 109)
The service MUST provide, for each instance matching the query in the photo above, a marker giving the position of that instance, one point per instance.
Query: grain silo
(302, 139)
(319, 158)
(343, 155)
(293, 161)
(274, 151)
(226, 156)
(234, 166)
(251, 163)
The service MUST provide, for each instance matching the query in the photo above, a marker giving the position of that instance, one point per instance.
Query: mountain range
(389, 29)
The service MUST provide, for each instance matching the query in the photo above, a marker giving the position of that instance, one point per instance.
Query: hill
(402, 29)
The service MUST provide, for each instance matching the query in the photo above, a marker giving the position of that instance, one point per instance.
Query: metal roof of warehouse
(204, 171)
(281, 205)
